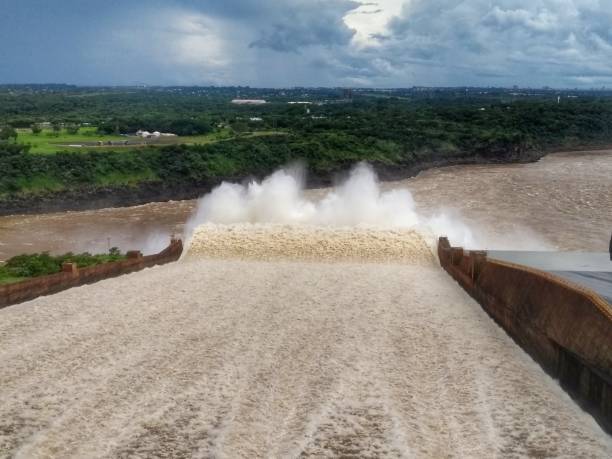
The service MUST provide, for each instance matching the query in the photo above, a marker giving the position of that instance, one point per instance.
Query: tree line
(329, 138)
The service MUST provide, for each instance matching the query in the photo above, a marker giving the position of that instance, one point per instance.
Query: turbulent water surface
(562, 201)
(299, 340)
(248, 359)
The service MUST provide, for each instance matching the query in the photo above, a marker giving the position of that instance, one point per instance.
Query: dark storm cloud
(286, 25)
(529, 41)
(310, 23)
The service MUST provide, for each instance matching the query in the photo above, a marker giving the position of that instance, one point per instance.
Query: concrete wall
(566, 328)
(72, 276)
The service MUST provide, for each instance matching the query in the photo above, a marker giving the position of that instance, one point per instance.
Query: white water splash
(358, 202)
(273, 242)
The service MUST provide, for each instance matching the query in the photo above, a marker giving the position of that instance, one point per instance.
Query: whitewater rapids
(234, 358)
(276, 242)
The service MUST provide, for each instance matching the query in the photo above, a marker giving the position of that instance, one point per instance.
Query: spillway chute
(274, 242)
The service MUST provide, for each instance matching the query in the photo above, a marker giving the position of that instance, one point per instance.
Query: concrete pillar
(479, 258)
(585, 382)
(71, 268)
(606, 402)
(456, 255)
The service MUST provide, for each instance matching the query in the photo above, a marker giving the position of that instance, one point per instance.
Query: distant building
(299, 102)
(153, 135)
(248, 101)
(256, 119)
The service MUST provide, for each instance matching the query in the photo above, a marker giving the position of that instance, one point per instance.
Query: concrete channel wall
(565, 328)
(71, 276)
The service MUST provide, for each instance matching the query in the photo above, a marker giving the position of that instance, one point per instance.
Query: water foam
(227, 358)
(358, 202)
(308, 243)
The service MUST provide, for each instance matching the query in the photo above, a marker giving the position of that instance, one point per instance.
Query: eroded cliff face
(100, 197)
(88, 197)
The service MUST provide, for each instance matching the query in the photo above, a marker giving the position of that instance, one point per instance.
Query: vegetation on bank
(84, 139)
(239, 141)
(22, 267)
(48, 140)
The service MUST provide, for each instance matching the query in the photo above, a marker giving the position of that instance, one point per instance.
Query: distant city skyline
(53, 86)
(309, 43)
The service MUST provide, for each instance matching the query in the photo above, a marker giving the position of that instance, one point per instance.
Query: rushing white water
(558, 203)
(351, 353)
(359, 201)
(312, 243)
(249, 359)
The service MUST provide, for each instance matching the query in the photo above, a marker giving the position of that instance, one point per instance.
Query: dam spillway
(564, 324)
(231, 357)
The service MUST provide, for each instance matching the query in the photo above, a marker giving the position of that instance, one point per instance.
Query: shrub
(43, 264)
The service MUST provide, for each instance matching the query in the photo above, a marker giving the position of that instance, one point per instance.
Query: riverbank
(97, 197)
(560, 202)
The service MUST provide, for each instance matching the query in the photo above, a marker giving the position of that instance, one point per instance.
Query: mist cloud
(357, 202)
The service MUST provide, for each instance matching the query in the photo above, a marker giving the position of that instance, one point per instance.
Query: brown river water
(237, 352)
(562, 202)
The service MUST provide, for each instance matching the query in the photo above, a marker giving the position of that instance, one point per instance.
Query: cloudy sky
(281, 43)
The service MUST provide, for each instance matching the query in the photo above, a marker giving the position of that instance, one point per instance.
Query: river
(563, 202)
(322, 356)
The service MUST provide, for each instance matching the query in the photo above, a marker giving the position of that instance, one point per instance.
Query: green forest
(327, 129)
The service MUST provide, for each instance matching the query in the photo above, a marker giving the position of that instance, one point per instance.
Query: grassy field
(49, 142)
(48, 169)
